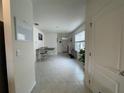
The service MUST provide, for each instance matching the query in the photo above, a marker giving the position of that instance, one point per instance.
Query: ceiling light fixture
(64, 38)
(36, 24)
(57, 27)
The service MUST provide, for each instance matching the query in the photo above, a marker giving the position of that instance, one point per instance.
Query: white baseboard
(32, 87)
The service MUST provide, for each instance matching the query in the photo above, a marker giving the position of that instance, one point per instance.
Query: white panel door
(109, 49)
(121, 76)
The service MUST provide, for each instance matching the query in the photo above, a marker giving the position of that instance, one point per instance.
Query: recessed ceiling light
(57, 26)
(36, 24)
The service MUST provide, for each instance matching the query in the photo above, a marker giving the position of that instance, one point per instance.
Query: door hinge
(122, 73)
(89, 81)
(90, 54)
(91, 24)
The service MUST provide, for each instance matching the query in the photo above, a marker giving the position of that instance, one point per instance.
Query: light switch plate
(18, 52)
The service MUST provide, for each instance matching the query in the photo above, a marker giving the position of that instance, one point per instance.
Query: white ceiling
(59, 15)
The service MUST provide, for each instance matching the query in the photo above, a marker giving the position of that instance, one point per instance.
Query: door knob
(122, 73)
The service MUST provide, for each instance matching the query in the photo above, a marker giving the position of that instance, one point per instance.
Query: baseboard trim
(32, 87)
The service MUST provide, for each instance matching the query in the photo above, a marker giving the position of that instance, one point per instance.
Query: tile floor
(59, 74)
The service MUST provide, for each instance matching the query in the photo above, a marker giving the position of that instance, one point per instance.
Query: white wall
(51, 41)
(38, 43)
(24, 62)
(105, 39)
(1, 12)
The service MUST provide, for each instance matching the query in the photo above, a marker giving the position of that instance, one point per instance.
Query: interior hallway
(59, 74)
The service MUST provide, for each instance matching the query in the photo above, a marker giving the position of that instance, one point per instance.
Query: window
(80, 41)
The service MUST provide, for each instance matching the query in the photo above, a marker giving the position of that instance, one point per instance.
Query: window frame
(80, 41)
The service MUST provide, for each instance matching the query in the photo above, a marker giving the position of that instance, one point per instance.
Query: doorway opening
(60, 54)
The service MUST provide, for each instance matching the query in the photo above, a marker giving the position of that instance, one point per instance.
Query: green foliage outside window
(82, 56)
